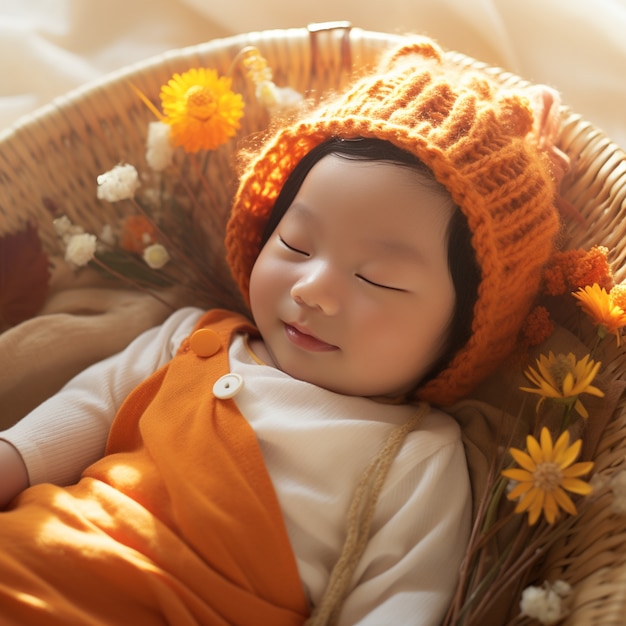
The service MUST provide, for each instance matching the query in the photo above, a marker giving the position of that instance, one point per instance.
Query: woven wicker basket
(56, 154)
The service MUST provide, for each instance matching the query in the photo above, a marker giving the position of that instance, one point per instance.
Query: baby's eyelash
(374, 284)
(289, 247)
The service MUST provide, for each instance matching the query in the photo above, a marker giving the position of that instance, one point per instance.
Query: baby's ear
(418, 49)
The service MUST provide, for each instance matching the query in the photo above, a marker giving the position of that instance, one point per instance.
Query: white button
(227, 386)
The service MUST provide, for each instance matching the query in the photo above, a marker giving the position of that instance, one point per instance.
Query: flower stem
(492, 509)
(567, 416)
(130, 282)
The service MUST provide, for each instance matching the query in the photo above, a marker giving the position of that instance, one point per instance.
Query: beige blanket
(83, 321)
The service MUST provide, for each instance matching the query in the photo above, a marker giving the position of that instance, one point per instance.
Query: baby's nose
(318, 289)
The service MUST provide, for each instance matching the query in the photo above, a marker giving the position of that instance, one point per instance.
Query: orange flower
(578, 268)
(592, 268)
(554, 280)
(138, 232)
(201, 109)
(538, 326)
(546, 472)
(601, 308)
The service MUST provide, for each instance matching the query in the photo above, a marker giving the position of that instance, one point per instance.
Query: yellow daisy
(563, 378)
(201, 109)
(546, 472)
(600, 306)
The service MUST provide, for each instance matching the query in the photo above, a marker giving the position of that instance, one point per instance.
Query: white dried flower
(546, 603)
(156, 256)
(62, 225)
(159, 150)
(107, 235)
(277, 98)
(65, 229)
(288, 97)
(117, 184)
(80, 249)
(618, 487)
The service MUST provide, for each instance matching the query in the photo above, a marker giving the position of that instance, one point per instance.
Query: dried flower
(592, 267)
(80, 249)
(256, 65)
(546, 603)
(117, 184)
(618, 293)
(201, 109)
(24, 276)
(554, 279)
(563, 378)
(274, 98)
(137, 233)
(65, 229)
(159, 149)
(62, 225)
(573, 269)
(538, 326)
(599, 305)
(107, 236)
(156, 256)
(545, 472)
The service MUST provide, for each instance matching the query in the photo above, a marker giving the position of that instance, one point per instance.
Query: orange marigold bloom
(601, 308)
(556, 273)
(201, 109)
(592, 268)
(137, 233)
(554, 279)
(538, 326)
(578, 268)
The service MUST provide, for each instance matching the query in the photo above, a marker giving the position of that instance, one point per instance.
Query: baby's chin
(326, 380)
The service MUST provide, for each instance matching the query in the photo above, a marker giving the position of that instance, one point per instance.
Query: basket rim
(76, 94)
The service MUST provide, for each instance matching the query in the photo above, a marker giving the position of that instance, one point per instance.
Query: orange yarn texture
(474, 135)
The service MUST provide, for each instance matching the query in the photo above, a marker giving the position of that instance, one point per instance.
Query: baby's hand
(13, 474)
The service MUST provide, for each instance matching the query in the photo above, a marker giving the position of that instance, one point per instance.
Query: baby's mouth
(305, 340)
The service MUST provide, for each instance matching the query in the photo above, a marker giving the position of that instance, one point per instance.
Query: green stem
(567, 416)
(492, 509)
(600, 335)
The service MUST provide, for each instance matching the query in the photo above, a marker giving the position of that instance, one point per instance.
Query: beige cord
(360, 517)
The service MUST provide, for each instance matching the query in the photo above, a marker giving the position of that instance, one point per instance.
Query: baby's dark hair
(462, 264)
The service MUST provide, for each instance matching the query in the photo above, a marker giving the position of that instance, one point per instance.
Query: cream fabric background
(48, 47)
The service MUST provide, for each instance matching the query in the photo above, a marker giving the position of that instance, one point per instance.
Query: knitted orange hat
(473, 134)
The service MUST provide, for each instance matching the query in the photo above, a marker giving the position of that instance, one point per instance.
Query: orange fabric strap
(178, 524)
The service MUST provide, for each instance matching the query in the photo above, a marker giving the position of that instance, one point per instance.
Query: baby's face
(352, 290)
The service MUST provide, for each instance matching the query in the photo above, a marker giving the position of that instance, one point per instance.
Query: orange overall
(178, 523)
